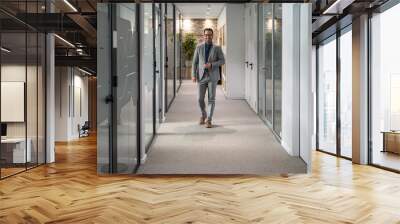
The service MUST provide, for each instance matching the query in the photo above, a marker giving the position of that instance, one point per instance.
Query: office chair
(84, 130)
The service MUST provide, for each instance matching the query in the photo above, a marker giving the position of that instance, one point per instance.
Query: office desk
(391, 141)
(15, 148)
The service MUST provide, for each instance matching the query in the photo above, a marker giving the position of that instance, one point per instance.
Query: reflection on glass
(103, 88)
(182, 58)
(177, 49)
(268, 61)
(127, 91)
(385, 89)
(346, 94)
(158, 63)
(148, 82)
(22, 91)
(277, 69)
(170, 54)
(327, 96)
(32, 101)
(15, 152)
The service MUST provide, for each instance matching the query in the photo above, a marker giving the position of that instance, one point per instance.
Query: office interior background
(163, 30)
(321, 76)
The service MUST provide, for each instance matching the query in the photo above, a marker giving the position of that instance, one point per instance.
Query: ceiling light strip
(70, 5)
(65, 41)
(86, 72)
(5, 50)
(331, 7)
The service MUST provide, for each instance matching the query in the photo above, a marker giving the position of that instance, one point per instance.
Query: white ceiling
(199, 10)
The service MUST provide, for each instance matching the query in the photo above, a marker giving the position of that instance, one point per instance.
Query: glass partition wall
(170, 76)
(178, 48)
(148, 73)
(277, 69)
(173, 22)
(385, 90)
(118, 95)
(270, 89)
(22, 88)
(334, 94)
(327, 78)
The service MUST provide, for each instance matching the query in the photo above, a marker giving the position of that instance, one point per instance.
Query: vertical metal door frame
(153, 11)
(162, 70)
(273, 69)
(139, 92)
(114, 110)
(113, 152)
(338, 82)
(317, 97)
(174, 33)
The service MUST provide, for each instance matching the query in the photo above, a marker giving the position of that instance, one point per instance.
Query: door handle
(251, 66)
(157, 71)
(109, 99)
(247, 63)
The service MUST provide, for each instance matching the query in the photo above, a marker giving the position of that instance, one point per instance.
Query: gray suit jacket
(216, 58)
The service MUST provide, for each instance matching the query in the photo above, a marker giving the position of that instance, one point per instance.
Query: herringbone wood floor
(70, 191)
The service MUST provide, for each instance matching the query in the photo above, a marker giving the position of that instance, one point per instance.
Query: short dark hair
(208, 29)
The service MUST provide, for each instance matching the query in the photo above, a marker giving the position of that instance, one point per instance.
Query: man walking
(205, 70)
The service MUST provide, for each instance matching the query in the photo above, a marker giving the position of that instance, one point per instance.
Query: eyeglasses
(207, 34)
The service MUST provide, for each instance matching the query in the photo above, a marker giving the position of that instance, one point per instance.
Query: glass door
(268, 33)
(270, 75)
(277, 69)
(118, 88)
(148, 97)
(170, 55)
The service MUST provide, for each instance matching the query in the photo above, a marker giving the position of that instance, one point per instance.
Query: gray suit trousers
(203, 85)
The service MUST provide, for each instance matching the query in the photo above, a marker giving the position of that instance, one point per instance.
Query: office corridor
(239, 142)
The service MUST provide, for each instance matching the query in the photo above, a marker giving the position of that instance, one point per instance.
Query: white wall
(306, 90)
(61, 103)
(233, 18)
(251, 55)
(290, 78)
(68, 81)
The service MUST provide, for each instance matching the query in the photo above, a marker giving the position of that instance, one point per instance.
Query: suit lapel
(211, 52)
(203, 51)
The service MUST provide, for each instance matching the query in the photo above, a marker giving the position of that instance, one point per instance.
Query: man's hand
(208, 65)
(194, 79)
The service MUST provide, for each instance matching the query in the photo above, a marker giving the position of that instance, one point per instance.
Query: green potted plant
(189, 46)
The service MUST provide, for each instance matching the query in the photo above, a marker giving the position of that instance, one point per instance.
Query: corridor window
(327, 96)
(346, 93)
(385, 89)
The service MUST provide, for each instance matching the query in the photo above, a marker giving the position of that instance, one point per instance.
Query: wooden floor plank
(70, 191)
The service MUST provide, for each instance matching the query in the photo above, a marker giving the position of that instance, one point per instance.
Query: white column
(306, 91)
(290, 78)
(50, 99)
(360, 90)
